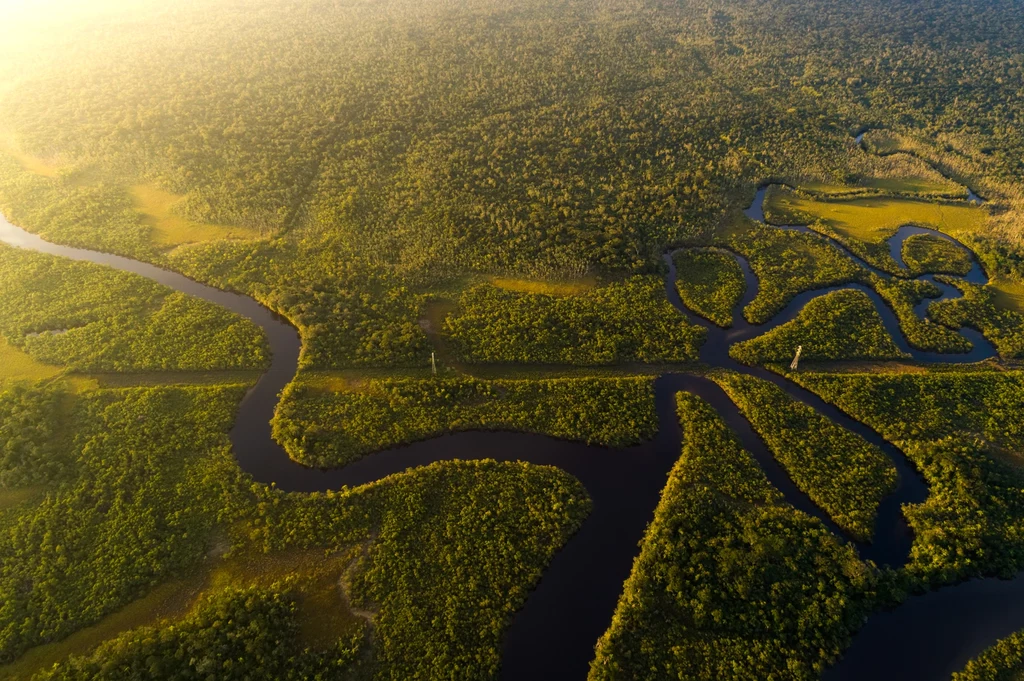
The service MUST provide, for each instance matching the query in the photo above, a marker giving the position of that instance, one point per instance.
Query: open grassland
(15, 365)
(157, 378)
(907, 185)
(236, 631)
(29, 163)
(169, 229)
(354, 380)
(9, 498)
(874, 219)
(550, 288)
(167, 601)
(883, 142)
(1009, 294)
(829, 189)
(322, 610)
(154, 205)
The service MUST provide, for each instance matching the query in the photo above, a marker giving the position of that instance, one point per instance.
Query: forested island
(542, 339)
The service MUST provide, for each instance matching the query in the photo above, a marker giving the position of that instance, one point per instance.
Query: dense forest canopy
(376, 150)
(551, 137)
(464, 208)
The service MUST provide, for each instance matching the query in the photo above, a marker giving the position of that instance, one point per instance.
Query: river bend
(553, 635)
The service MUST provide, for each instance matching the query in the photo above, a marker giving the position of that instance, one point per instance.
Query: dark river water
(553, 635)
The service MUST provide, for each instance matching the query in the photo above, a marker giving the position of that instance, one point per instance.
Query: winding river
(553, 635)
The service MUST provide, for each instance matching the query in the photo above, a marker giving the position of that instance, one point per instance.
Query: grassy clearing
(324, 615)
(169, 229)
(153, 204)
(856, 367)
(907, 185)
(874, 219)
(828, 189)
(9, 498)
(15, 365)
(358, 380)
(165, 602)
(354, 380)
(133, 380)
(31, 164)
(551, 288)
(1009, 294)
(882, 142)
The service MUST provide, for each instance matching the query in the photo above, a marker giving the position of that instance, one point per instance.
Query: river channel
(553, 635)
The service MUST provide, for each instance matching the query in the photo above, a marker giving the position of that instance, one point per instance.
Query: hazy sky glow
(50, 12)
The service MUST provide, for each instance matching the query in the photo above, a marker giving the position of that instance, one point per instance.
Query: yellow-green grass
(874, 219)
(153, 204)
(828, 189)
(15, 365)
(132, 380)
(30, 163)
(169, 229)
(882, 142)
(9, 498)
(913, 185)
(889, 185)
(431, 321)
(353, 380)
(323, 611)
(1009, 294)
(551, 288)
(166, 601)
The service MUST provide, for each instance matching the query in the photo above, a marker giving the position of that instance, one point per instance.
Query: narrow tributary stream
(553, 635)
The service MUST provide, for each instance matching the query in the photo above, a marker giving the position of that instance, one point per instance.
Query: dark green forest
(376, 148)
(1001, 662)
(837, 469)
(488, 189)
(732, 582)
(965, 437)
(330, 428)
(842, 325)
(148, 490)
